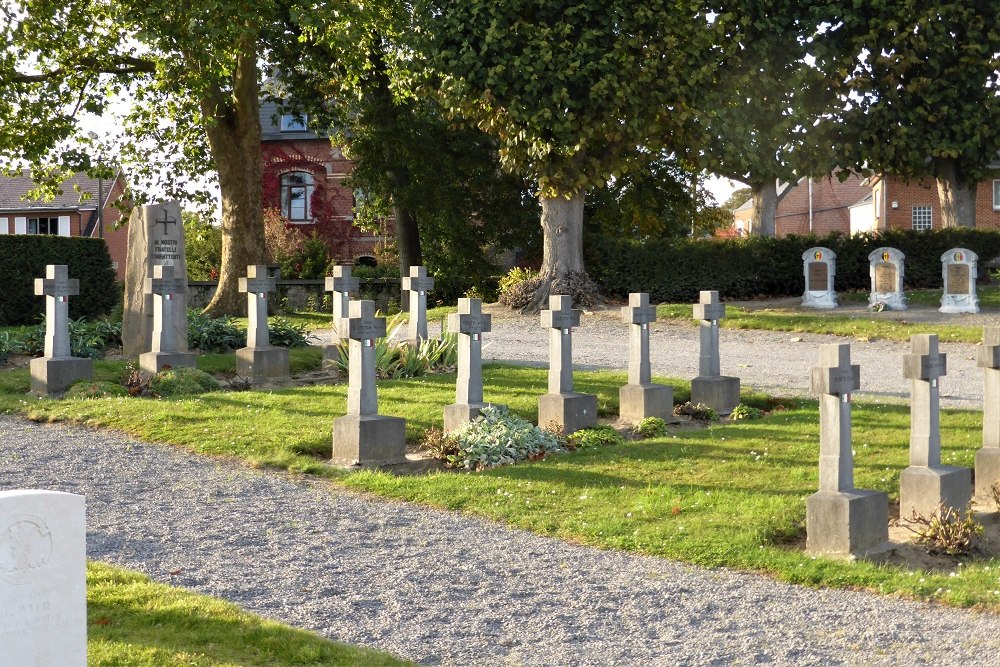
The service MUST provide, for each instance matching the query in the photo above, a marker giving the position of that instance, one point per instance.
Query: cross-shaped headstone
(343, 286)
(57, 287)
(639, 314)
(164, 286)
(470, 324)
(709, 310)
(256, 285)
(988, 358)
(924, 366)
(560, 319)
(165, 221)
(362, 328)
(418, 283)
(834, 380)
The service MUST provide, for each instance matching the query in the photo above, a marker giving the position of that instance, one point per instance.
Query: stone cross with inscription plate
(560, 319)
(57, 287)
(256, 285)
(988, 457)
(638, 314)
(709, 310)
(362, 328)
(342, 285)
(164, 285)
(834, 380)
(418, 283)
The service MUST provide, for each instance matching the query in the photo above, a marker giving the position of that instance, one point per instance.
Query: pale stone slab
(819, 266)
(43, 579)
(959, 268)
(155, 238)
(417, 284)
(885, 267)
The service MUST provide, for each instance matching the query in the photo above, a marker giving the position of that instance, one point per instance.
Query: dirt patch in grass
(907, 553)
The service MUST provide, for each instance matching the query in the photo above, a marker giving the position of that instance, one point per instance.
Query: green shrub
(181, 381)
(202, 247)
(86, 339)
(698, 411)
(394, 360)
(10, 345)
(743, 411)
(598, 436)
(518, 287)
(651, 427)
(499, 437)
(95, 389)
(214, 334)
(24, 259)
(283, 333)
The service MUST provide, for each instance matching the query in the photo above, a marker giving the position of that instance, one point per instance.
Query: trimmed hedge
(675, 270)
(23, 258)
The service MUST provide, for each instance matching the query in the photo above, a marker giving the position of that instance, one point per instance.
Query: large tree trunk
(233, 129)
(765, 206)
(562, 259)
(957, 195)
(407, 232)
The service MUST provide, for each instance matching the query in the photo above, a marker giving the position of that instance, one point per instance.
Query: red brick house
(304, 178)
(916, 205)
(85, 208)
(811, 206)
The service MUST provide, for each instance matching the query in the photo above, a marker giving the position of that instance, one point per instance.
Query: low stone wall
(300, 295)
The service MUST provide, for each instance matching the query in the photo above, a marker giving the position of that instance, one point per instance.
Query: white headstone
(820, 266)
(43, 579)
(885, 267)
(958, 274)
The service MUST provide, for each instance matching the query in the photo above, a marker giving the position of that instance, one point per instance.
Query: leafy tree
(739, 197)
(919, 84)
(570, 90)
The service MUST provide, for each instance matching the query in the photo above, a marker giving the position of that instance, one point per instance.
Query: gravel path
(443, 589)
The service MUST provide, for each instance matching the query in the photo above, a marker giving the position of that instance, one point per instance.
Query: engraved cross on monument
(711, 388)
(470, 324)
(562, 407)
(58, 369)
(841, 520)
(165, 348)
(641, 398)
(259, 359)
(988, 457)
(165, 220)
(418, 283)
(926, 483)
(363, 437)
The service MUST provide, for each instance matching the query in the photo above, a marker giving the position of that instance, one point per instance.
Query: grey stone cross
(924, 366)
(560, 319)
(834, 380)
(57, 287)
(256, 285)
(362, 328)
(469, 323)
(709, 310)
(639, 314)
(343, 285)
(164, 286)
(418, 283)
(988, 457)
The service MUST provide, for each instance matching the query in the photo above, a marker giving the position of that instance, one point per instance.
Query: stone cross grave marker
(363, 437)
(342, 285)
(418, 283)
(926, 483)
(958, 271)
(885, 267)
(719, 392)
(58, 369)
(820, 267)
(561, 406)
(988, 457)
(166, 349)
(470, 323)
(641, 398)
(43, 579)
(155, 237)
(259, 359)
(840, 520)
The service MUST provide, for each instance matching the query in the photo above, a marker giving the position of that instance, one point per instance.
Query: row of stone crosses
(958, 273)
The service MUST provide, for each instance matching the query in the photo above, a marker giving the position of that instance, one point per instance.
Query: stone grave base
(638, 401)
(892, 300)
(368, 441)
(569, 412)
(54, 375)
(268, 362)
(722, 393)
(154, 362)
(987, 470)
(923, 488)
(457, 414)
(821, 300)
(847, 524)
(959, 303)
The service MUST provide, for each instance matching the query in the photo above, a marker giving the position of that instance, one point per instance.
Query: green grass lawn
(731, 495)
(133, 621)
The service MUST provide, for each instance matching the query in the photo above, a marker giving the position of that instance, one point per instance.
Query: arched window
(296, 196)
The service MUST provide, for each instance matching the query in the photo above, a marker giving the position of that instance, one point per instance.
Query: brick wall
(924, 193)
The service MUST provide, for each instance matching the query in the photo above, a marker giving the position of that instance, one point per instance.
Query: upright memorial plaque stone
(641, 398)
(562, 407)
(717, 391)
(43, 579)
(470, 324)
(155, 238)
(988, 457)
(926, 483)
(259, 359)
(417, 284)
(58, 369)
(820, 266)
(342, 285)
(885, 267)
(958, 271)
(166, 349)
(841, 520)
(363, 437)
